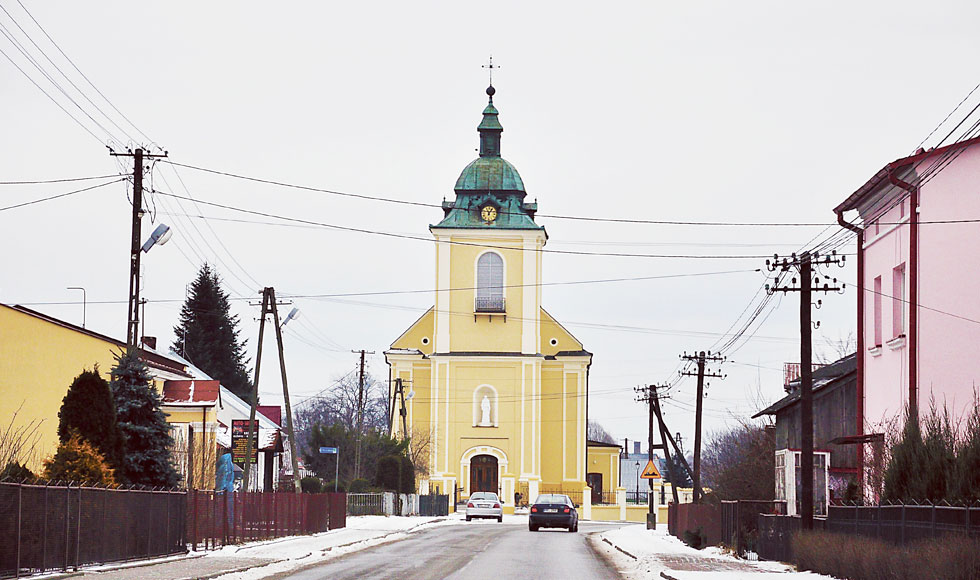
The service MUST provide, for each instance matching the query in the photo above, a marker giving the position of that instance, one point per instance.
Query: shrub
(79, 461)
(329, 486)
(310, 484)
(359, 485)
(965, 484)
(15, 471)
(862, 558)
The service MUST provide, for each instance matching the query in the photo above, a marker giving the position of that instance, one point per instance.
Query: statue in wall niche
(485, 407)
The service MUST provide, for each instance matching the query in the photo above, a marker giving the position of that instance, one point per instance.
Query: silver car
(484, 504)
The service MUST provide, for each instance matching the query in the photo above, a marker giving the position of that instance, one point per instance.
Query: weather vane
(490, 66)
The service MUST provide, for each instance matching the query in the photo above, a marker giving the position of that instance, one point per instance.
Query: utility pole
(652, 396)
(700, 359)
(399, 394)
(803, 263)
(360, 415)
(133, 315)
(665, 434)
(270, 306)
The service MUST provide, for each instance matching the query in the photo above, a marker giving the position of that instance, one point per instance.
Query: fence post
(933, 520)
(44, 535)
(67, 523)
(78, 528)
(20, 501)
(903, 524)
(105, 507)
(967, 506)
(193, 496)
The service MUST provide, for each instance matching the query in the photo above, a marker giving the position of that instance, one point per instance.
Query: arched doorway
(483, 473)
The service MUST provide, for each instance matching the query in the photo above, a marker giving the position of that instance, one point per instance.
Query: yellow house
(40, 356)
(496, 389)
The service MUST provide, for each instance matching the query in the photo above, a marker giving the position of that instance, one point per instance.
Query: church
(493, 385)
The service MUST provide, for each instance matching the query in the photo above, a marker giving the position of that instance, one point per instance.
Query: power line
(432, 205)
(64, 180)
(471, 244)
(60, 195)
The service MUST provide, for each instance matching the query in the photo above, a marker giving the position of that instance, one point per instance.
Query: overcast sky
(762, 112)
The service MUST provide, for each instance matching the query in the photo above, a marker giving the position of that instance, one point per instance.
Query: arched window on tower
(490, 283)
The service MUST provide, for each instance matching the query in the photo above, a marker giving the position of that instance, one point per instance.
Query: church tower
(498, 387)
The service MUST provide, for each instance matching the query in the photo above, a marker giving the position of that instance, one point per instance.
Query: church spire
(490, 129)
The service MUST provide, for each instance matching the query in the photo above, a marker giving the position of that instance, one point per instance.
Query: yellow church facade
(497, 389)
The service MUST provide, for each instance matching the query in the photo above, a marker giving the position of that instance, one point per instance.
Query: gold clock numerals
(488, 213)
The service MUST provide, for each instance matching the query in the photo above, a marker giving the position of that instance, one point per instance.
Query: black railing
(490, 304)
(636, 497)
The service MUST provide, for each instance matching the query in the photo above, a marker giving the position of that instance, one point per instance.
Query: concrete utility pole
(133, 315)
(360, 415)
(803, 263)
(701, 358)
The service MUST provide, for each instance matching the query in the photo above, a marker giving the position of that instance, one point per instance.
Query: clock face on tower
(488, 213)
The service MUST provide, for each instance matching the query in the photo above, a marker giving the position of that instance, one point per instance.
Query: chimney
(149, 342)
(636, 447)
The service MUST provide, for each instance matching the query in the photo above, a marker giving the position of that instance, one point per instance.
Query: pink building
(919, 269)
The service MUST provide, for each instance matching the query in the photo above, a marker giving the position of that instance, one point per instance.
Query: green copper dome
(489, 180)
(489, 174)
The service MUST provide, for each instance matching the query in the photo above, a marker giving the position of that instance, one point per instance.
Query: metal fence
(740, 522)
(217, 518)
(573, 494)
(365, 504)
(604, 498)
(637, 497)
(901, 524)
(433, 505)
(53, 527)
(896, 524)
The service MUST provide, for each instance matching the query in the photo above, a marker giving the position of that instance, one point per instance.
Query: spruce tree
(966, 482)
(903, 477)
(143, 426)
(88, 410)
(207, 335)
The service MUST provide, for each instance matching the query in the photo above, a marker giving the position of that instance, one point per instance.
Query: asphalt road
(474, 551)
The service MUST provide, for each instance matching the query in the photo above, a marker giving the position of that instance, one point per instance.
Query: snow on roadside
(298, 551)
(653, 552)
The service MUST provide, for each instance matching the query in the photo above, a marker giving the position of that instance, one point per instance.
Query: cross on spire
(490, 66)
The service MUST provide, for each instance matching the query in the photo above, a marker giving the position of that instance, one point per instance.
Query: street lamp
(293, 314)
(83, 301)
(159, 237)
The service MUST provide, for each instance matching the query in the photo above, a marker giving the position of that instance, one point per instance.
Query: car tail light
(469, 505)
(496, 505)
(534, 509)
(566, 510)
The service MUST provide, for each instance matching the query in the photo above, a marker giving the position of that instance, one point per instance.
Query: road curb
(618, 548)
(666, 575)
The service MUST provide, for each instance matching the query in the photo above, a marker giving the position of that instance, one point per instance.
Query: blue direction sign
(328, 450)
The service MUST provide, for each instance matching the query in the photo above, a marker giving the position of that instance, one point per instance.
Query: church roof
(489, 180)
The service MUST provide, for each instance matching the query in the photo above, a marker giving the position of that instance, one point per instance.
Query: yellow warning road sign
(650, 471)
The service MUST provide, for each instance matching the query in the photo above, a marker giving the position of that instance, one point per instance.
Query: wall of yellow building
(38, 362)
(604, 460)
(485, 333)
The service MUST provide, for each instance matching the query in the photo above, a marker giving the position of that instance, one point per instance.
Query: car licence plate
(483, 505)
(551, 511)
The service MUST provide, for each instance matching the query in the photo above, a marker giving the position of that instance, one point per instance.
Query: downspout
(913, 338)
(859, 410)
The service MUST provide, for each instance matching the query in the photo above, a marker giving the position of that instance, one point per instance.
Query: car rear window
(551, 498)
(484, 495)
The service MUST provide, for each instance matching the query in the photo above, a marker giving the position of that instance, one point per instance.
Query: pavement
(626, 550)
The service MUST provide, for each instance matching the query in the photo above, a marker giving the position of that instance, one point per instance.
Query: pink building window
(898, 300)
(877, 311)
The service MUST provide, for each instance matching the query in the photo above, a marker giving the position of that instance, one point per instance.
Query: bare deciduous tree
(19, 441)
(739, 463)
(419, 449)
(597, 432)
(337, 404)
(834, 349)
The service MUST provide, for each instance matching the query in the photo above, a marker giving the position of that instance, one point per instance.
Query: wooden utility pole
(360, 415)
(399, 394)
(270, 306)
(701, 358)
(803, 263)
(133, 314)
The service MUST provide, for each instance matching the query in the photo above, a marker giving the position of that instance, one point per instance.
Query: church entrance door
(483, 473)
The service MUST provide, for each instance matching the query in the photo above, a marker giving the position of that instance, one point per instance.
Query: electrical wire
(60, 195)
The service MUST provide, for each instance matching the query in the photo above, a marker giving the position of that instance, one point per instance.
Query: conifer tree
(207, 335)
(88, 410)
(966, 479)
(143, 426)
(903, 481)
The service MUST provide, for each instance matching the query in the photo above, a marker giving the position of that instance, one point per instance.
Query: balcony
(490, 304)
